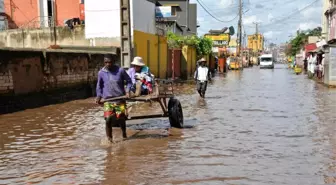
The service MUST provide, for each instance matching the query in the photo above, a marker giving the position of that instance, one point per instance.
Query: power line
(226, 21)
(199, 2)
(285, 18)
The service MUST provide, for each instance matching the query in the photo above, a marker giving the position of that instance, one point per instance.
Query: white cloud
(308, 25)
(311, 12)
(271, 34)
(201, 19)
(225, 3)
(270, 17)
(250, 20)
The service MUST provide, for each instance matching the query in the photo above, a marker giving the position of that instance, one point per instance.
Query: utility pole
(240, 25)
(239, 55)
(125, 34)
(257, 31)
(256, 37)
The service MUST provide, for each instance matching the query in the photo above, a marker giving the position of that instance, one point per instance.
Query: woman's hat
(138, 61)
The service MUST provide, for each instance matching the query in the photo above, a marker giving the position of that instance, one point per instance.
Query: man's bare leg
(122, 124)
(108, 129)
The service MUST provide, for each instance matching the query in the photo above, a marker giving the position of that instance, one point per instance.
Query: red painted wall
(21, 12)
(66, 9)
(82, 11)
(26, 12)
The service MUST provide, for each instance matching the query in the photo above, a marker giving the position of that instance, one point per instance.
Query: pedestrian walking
(305, 64)
(322, 64)
(202, 76)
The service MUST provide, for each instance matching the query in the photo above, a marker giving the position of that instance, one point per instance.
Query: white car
(266, 61)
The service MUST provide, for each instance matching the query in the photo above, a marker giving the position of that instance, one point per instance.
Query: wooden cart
(163, 93)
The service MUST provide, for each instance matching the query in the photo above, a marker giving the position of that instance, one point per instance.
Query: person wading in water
(112, 80)
(202, 76)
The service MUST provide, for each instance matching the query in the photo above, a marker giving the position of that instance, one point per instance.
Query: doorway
(50, 13)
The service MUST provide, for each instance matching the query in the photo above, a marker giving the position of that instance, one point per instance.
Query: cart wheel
(175, 113)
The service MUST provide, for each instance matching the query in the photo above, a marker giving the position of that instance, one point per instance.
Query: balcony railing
(37, 22)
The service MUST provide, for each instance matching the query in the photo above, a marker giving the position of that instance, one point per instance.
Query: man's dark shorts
(202, 86)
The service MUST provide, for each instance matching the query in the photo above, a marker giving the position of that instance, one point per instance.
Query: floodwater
(259, 127)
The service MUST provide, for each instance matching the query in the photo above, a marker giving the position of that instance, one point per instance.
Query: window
(266, 59)
(332, 2)
(173, 10)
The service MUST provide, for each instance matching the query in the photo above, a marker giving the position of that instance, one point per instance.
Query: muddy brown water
(254, 127)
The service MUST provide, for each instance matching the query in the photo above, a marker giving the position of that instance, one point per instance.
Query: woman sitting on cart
(141, 77)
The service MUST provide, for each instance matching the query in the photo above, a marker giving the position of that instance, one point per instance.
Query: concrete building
(329, 44)
(255, 42)
(145, 41)
(41, 13)
(184, 13)
(326, 5)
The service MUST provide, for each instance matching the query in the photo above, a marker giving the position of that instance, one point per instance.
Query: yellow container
(298, 70)
(234, 65)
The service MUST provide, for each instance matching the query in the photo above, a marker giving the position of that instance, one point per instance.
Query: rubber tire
(175, 113)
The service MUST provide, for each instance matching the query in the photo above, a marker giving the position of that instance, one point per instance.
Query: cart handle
(115, 98)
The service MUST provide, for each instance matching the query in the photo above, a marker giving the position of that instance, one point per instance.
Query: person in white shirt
(202, 76)
(228, 62)
(314, 64)
(322, 65)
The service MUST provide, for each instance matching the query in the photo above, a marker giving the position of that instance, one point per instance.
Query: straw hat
(202, 60)
(138, 61)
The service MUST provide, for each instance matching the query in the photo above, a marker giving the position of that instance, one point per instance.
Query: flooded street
(255, 126)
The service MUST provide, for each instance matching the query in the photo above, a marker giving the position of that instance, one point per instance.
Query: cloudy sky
(279, 19)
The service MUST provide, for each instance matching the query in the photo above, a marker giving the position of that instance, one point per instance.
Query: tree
(203, 45)
(297, 43)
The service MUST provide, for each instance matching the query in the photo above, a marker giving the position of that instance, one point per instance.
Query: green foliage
(174, 41)
(203, 45)
(301, 38)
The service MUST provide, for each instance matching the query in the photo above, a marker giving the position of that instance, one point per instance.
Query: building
(329, 41)
(220, 38)
(326, 5)
(145, 42)
(232, 48)
(2, 15)
(183, 14)
(166, 20)
(41, 13)
(255, 42)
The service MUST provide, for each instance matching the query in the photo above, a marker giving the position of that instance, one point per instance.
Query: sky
(1, 10)
(279, 19)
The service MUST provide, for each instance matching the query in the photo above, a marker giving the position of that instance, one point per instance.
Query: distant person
(312, 63)
(228, 60)
(305, 64)
(216, 63)
(112, 80)
(202, 76)
(322, 64)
